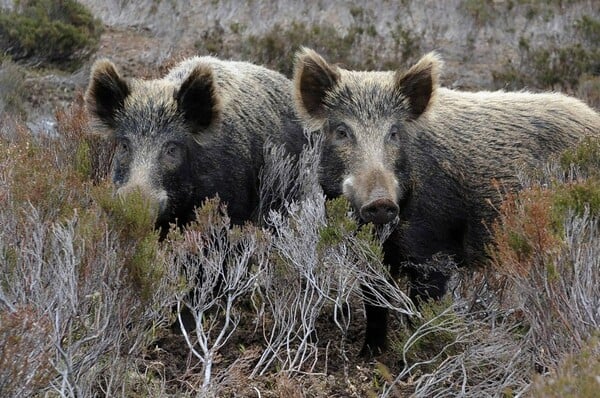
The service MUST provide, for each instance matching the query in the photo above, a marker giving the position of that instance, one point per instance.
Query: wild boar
(401, 148)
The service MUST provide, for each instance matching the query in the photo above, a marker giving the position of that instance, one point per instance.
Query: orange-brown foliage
(524, 233)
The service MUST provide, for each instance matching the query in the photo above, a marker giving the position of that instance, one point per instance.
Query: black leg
(375, 335)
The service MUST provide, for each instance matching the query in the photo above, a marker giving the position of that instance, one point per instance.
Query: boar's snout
(379, 211)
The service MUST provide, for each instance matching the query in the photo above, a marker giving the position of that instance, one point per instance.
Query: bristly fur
(195, 133)
(397, 144)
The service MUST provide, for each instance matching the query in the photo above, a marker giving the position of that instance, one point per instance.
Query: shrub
(78, 316)
(576, 377)
(12, 84)
(554, 66)
(25, 352)
(546, 246)
(358, 46)
(276, 48)
(61, 32)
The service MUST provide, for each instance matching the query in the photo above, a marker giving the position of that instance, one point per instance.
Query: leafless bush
(64, 283)
(561, 301)
(223, 265)
(309, 273)
(95, 322)
(464, 353)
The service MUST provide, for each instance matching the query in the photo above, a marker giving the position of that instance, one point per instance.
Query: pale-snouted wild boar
(403, 149)
(197, 132)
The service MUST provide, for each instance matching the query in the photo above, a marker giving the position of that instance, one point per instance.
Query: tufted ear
(106, 92)
(197, 98)
(313, 79)
(419, 83)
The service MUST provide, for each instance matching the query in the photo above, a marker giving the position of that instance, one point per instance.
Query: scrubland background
(88, 295)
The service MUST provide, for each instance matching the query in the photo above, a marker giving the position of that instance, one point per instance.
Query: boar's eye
(172, 154)
(342, 132)
(394, 134)
(123, 148)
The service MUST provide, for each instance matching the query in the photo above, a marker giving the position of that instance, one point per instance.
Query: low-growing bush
(359, 45)
(61, 32)
(12, 84)
(556, 67)
(75, 317)
(576, 377)
(546, 252)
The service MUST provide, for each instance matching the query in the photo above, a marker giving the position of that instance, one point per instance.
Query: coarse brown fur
(401, 148)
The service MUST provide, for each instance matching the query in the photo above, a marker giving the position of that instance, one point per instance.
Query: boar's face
(155, 125)
(364, 118)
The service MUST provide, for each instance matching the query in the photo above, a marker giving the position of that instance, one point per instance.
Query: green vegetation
(588, 28)
(12, 85)
(407, 44)
(481, 10)
(435, 339)
(577, 377)
(583, 193)
(338, 224)
(62, 33)
(547, 68)
(276, 48)
(578, 197)
(132, 217)
(564, 67)
(357, 46)
(585, 157)
(533, 223)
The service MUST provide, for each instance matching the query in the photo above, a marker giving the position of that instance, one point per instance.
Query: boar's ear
(197, 98)
(106, 92)
(313, 78)
(419, 83)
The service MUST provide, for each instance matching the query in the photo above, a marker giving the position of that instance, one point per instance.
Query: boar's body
(402, 149)
(195, 133)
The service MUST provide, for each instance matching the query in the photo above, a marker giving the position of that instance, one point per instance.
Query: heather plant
(65, 281)
(320, 258)
(577, 375)
(552, 66)
(222, 265)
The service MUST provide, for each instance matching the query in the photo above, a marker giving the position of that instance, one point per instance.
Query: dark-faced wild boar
(403, 149)
(195, 133)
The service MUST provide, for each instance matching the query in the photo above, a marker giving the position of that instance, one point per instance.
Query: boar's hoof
(379, 211)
